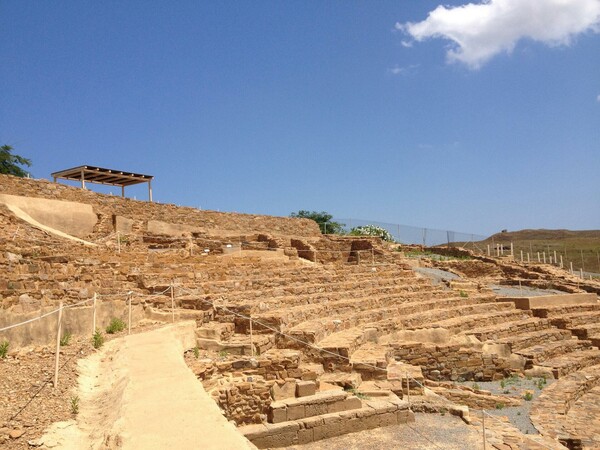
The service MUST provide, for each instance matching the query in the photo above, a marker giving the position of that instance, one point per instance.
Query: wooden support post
(561, 262)
(483, 426)
(82, 179)
(251, 338)
(150, 190)
(544, 253)
(172, 303)
(129, 320)
(94, 315)
(512, 250)
(521, 255)
(571, 263)
(539, 259)
(488, 249)
(555, 260)
(57, 353)
(581, 273)
(122, 191)
(528, 259)
(407, 389)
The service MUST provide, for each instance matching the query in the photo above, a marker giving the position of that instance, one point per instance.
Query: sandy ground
(138, 393)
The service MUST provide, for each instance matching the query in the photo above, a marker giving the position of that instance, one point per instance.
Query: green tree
(9, 163)
(323, 218)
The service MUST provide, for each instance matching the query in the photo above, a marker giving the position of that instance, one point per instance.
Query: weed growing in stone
(196, 352)
(3, 349)
(463, 294)
(75, 405)
(528, 396)
(65, 339)
(475, 386)
(97, 339)
(223, 354)
(115, 326)
(499, 405)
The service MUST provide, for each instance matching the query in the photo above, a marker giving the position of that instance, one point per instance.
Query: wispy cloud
(403, 70)
(598, 98)
(483, 30)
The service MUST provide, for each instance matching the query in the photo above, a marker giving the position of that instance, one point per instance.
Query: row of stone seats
(318, 329)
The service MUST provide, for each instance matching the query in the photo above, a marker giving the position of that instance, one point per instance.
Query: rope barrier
(30, 320)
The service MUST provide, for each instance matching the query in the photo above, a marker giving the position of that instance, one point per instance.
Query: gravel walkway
(525, 291)
(515, 386)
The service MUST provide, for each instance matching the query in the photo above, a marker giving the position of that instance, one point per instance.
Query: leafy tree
(323, 218)
(9, 163)
(372, 230)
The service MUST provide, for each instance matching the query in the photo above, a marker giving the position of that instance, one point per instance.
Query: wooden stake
(129, 321)
(251, 338)
(172, 304)
(571, 263)
(94, 315)
(57, 353)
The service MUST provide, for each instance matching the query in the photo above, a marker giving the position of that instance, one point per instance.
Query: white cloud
(399, 70)
(481, 31)
(598, 98)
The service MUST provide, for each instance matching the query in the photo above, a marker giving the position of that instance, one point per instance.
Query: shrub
(372, 230)
(97, 339)
(196, 352)
(499, 405)
(463, 294)
(65, 339)
(475, 386)
(115, 326)
(3, 349)
(75, 405)
(528, 396)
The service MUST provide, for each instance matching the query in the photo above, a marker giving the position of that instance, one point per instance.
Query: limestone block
(283, 391)
(296, 412)
(278, 415)
(305, 388)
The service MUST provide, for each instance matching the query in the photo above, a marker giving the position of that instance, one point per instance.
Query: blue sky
(474, 118)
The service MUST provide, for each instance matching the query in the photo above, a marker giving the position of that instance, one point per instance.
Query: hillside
(582, 248)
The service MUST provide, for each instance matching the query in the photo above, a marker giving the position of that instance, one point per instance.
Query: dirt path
(139, 393)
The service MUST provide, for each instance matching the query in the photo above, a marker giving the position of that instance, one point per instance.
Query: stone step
(373, 414)
(542, 352)
(312, 405)
(506, 329)
(576, 320)
(559, 311)
(286, 318)
(370, 361)
(572, 362)
(524, 340)
(456, 325)
(586, 331)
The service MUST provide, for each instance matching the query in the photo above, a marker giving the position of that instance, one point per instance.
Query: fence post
(581, 272)
(94, 315)
(528, 260)
(407, 389)
(561, 262)
(57, 354)
(512, 250)
(488, 249)
(251, 337)
(571, 263)
(555, 260)
(129, 321)
(544, 253)
(521, 255)
(483, 425)
(172, 303)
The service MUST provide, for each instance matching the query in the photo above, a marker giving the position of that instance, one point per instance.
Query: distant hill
(580, 247)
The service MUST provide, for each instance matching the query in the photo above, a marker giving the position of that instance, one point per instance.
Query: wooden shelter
(101, 175)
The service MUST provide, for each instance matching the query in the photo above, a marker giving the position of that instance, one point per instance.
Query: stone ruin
(344, 329)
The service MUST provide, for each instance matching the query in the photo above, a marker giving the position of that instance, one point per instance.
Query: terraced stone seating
(568, 410)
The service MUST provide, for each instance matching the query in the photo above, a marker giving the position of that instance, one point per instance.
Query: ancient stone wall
(107, 207)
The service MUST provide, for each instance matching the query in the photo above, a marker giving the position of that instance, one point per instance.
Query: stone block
(283, 391)
(305, 388)
(316, 409)
(296, 412)
(305, 436)
(278, 415)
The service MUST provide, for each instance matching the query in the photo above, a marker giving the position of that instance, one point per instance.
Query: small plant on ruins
(500, 405)
(65, 339)
(503, 383)
(97, 339)
(74, 405)
(223, 353)
(357, 393)
(115, 326)
(196, 352)
(443, 411)
(540, 383)
(3, 349)
(463, 294)
(528, 396)
(476, 386)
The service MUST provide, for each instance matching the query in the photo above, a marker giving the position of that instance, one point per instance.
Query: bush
(372, 230)
(75, 405)
(528, 396)
(3, 349)
(97, 339)
(65, 339)
(323, 218)
(115, 326)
